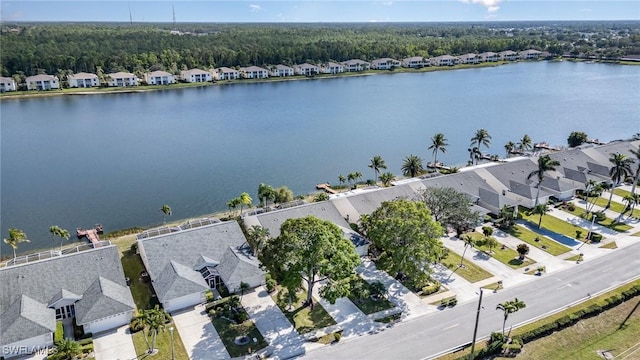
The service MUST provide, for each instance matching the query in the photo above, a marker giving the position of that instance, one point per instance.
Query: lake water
(116, 158)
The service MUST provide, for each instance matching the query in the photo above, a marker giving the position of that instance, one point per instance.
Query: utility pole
(475, 329)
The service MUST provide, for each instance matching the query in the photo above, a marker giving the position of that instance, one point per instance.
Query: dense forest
(59, 48)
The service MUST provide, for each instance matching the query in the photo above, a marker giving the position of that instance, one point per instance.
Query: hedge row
(584, 313)
(59, 334)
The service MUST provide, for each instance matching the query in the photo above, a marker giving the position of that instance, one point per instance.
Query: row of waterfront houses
(89, 287)
(125, 79)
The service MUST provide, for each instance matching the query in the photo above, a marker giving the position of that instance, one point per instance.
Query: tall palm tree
(509, 147)
(474, 155)
(342, 179)
(545, 163)
(412, 166)
(16, 236)
(358, 175)
(265, 193)
(636, 153)
(62, 233)
(257, 238)
(481, 137)
(377, 163)
(509, 307)
(525, 143)
(620, 170)
(631, 200)
(593, 189)
(387, 178)
(352, 178)
(438, 143)
(245, 199)
(155, 319)
(468, 242)
(540, 209)
(166, 211)
(67, 349)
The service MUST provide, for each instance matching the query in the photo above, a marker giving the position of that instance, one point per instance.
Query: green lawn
(303, 318)
(611, 245)
(506, 256)
(163, 344)
(528, 236)
(553, 223)
(470, 272)
(142, 292)
(368, 305)
(573, 258)
(229, 331)
(607, 222)
(621, 192)
(615, 206)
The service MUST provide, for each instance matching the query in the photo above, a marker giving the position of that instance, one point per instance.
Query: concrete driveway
(198, 335)
(114, 345)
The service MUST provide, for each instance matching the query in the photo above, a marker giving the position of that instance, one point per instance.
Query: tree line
(30, 49)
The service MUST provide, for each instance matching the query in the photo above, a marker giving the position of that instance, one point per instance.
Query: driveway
(114, 345)
(198, 335)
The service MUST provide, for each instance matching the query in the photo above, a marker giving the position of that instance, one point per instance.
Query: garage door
(108, 323)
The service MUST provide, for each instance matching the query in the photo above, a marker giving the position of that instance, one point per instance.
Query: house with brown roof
(7, 84)
(529, 54)
(331, 68)
(122, 79)
(385, 64)
(444, 60)
(488, 57)
(42, 82)
(195, 75)
(468, 59)
(159, 78)
(415, 62)
(508, 55)
(253, 72)
(281, 71)
(355, 65)
(83, 80)
(306, 69)
(225, 73)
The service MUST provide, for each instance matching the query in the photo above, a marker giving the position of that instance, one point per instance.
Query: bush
(59, 334)
(600, 216)
(84, 342)
(337, 336)
(270, 283)
(212, 313)
(453, 302)
(571, 207)
(242, 317)
(87, 348)
(431, 289)
(595, 237)
(136, 324)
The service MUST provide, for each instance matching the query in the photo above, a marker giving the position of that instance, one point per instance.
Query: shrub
(208, 295)
(600, 216)
(270, 284)
(59, 334)
(453, 301)
(136, 324)
(84, 342)
(571, 207)
(242, 317)
(212, 313)
(337, 336)
(578, 234)
(431, 289)
(595, 237)
(87, 348)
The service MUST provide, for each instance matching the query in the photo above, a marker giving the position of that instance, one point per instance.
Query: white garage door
(108, 323)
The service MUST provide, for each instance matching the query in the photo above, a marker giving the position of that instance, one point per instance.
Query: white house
(42, 82)
(83, 80)
(488, 56)
(355, 65)
(529, 54)
(508, 55)
(225, 73)
(122, 79)
(281, 71)
(159, 78)
(7, 84)
(195, 75)
(468, 59)
(444, 60)
(415, 62)
(253, 72)
(385, 64)
(306, 69)
(331, 68)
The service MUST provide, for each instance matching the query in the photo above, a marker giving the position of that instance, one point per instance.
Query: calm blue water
(116, 158)
(563, 239)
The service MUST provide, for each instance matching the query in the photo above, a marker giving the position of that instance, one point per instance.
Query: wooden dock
(326, 187)
(91, 234)
(438, 165)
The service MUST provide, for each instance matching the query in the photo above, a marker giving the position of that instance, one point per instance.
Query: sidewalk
(198, 335)
(272, 324)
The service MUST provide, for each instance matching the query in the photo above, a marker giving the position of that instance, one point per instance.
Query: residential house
(7, 84)
(122, 79)
(186, 261)
(415, 62)
(530, 54)
(87, 287)
(254, 72)
(508, 55)
(355, 65)
(225, 73)
(195, 76)
(444, 60)
(306, 69)
(385, 64)
(83, 80)
(281, 71)
(331, 68)
(488, 57)
(42, 82)
(159, 77)
(468, 59)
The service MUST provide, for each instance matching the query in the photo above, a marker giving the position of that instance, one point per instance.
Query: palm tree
(234, 203)
(376, 164)
(525, 143)
(636, 153)
(438, 143)
(468, 242)
(540, 209)
(481, 137)
(155, 320)
(412, 166)
(166, 211)
(62, 233)
(357, 175)
(352, 179)
(245, 199)
(509, 147)
(265, 193)
(387, 178)
(594, 190)
(620, 170)
(474, 155)
(258, 237)
(243, 288)
(16, 236)
(545, 163)
(632, 200)
(67, 348)
(342, 179)
(509, 307)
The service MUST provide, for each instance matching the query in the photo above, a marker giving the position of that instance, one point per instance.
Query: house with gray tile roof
(185, 263)
(83, 80)
(88, 286)
(385, 64)
(306, 69)
(415, 62)
(355, 65)
(42, 82)
(7, 84)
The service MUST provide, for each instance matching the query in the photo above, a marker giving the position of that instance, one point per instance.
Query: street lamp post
(171, 335)
(475, 329)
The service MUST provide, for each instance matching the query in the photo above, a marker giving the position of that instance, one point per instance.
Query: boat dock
(91, 234)
(438, 165)
(326, 187)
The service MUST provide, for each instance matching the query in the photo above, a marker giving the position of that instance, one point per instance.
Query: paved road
(428, 336)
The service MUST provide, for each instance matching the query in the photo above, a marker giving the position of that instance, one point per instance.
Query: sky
(12, 11)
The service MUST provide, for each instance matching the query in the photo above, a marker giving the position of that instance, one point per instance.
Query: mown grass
(574, 258)
(229, 331)
(543, 243)
(607, 222)
(163, 344)
(470, 271)
(615, 206)
(142, 292)
(303, 318)
(621, 192)
(611, 245)
(552, 223)
(368, 305)
(504, 254)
